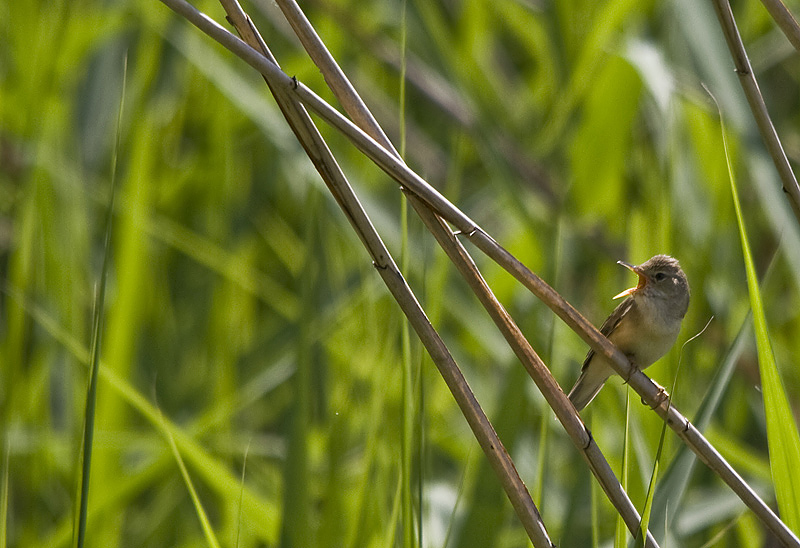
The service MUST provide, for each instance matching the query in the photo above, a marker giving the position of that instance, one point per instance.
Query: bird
(644, 326)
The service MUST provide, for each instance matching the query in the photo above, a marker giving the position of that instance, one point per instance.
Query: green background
(243, 307)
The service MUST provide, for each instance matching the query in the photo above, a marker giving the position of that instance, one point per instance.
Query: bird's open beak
(642, 279)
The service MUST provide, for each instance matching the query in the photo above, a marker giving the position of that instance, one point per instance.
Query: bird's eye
(660, 276)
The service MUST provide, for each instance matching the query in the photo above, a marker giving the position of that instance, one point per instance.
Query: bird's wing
(610, 325)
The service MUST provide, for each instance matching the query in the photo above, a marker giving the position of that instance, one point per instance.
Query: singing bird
(644, 326)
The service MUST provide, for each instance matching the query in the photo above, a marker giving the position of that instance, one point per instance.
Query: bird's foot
(662, 396)
(634, 368)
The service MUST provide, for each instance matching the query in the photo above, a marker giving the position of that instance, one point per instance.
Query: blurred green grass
(239, 300)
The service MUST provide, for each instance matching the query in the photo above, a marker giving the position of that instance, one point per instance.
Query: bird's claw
(662, 396)
(634, 368)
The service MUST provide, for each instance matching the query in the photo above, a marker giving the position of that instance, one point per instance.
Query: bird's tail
(588, 384)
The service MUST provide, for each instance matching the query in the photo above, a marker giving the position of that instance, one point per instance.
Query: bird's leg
(632, 370)
(662, 392)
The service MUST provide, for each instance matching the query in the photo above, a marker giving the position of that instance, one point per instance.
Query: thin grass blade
(82, 500)
(782, 436)
(4, 497)
(651, 491)
(621, 532)
(671, 489)
(211, 537)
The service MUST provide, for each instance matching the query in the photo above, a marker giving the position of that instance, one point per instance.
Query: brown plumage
(644, 326)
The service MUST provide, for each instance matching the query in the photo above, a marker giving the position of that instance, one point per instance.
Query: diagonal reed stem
(356, 108)
(338, 185)
(785, 20)
(650, 393)
(747, 79)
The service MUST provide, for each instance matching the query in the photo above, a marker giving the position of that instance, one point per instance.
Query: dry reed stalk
(284, 86)
(356, 108)
(337, 183)
(785, 20)
(747, 79)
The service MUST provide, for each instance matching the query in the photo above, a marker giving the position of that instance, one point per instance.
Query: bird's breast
(645, 335)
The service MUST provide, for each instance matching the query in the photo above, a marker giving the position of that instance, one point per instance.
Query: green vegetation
(256, 386)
